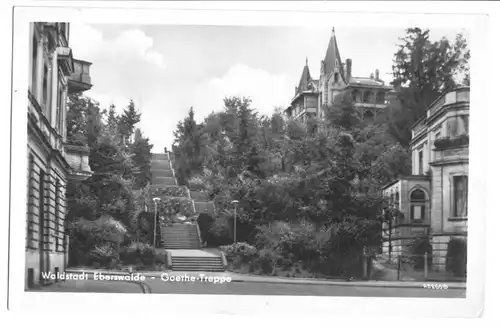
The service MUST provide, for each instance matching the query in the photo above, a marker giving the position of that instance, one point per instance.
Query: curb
(343, 284)
(415, 284)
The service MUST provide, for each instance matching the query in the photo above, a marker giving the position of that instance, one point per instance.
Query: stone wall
(52, 240)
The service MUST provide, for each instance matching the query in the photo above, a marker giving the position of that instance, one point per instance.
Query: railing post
(425, 266)
(399, 266)
(365, 264)
(224, 260)
(169, 261)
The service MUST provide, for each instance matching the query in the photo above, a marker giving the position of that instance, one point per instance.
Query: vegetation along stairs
(182, 240)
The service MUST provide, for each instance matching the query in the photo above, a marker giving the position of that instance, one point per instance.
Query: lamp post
(235, 203)
(156, 200)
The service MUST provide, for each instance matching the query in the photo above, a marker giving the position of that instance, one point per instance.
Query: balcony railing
(461, 153)
(38, 121)
(80, 79)
(78, 158)
(369, 104)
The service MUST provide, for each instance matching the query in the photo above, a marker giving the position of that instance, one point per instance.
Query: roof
(424, 116)
(332, 54)
(305, 78)
(367, 81)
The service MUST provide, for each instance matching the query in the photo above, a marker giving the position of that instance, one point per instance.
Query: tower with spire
(369, 94)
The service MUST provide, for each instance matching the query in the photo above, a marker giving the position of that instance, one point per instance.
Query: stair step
(161, 156)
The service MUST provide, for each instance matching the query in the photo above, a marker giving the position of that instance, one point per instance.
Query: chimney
(371, 76)
(348, 72)
(377, 75)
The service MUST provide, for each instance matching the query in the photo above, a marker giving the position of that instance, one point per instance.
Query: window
(397, 200)
(380, 98)
(355, 96)
(417, 207)
(458, 125)
(59, 123)
(460, 190)
(368, 97)
(34, 66)
(45, 91)
(421, 162)
(336, 78)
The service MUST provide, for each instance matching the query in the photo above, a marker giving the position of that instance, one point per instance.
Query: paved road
(247, 288)
(157, 286)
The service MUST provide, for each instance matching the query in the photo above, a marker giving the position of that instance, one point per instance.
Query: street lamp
(156, 200)
(235, 203)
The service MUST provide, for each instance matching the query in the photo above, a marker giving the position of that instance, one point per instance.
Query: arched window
(336, 78)
(355, 96)
(368, 97)
(368, 116)
(380, 98)
(417, 207)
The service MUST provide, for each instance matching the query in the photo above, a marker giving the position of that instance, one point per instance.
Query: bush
(171, 191)
(86, 235)
(240, 253)
(105, 255)
(456, 257)
(139, 253)
(415, 252)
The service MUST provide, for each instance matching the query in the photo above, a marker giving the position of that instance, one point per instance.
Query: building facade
(433, 200)
(53, 75)
(312, 97)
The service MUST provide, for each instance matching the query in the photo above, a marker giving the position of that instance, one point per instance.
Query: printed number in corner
(435, 286)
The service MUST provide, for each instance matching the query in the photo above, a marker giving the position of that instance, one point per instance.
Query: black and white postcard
(262, 154)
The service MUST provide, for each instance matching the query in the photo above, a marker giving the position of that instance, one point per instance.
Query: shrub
(196, 183)
(139, 253)
(456, 257)
(220, 232)
(171, 191)
(86, 235)
(240, 253)
(183, 206)
(415, 252)
(104, 254)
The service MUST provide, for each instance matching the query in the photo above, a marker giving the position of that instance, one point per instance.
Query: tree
(83, 120)
(141, 157)
(113, 119)
(342, 113)
(422, 70)
(187, 147)
(127, 122)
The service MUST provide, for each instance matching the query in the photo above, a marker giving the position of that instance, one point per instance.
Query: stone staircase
(181, 236)
(197, 263)
(182, 240)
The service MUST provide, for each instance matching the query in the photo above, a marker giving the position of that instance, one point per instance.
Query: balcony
(40, 125)
(65, 59)
(78, 158)
(80, 79)
(461, 95)
(369, 105)
(453, 154)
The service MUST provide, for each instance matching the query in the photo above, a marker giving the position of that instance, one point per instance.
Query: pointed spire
(333, 30)
(306, 61)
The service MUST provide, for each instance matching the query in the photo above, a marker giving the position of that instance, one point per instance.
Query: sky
(166, 69)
